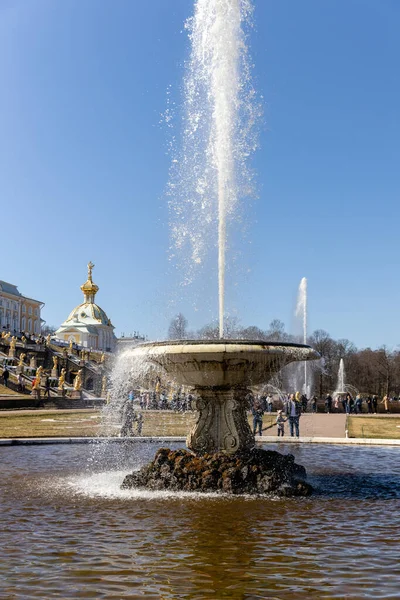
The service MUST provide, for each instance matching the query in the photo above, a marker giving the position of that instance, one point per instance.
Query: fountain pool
(69, 531)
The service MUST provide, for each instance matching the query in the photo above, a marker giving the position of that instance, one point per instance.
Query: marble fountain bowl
(220, 373)
(223, 364)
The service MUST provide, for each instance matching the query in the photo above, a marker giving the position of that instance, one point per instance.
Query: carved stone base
(76, 394)
(54, 374)
(222, 424)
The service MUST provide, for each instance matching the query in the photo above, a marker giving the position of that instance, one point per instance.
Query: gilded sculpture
(61, 380)
(78, 381)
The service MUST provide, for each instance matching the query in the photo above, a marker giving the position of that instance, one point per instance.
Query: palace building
(88, 324)
(18, 313)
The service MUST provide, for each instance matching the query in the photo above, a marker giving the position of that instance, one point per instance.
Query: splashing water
(210, 173)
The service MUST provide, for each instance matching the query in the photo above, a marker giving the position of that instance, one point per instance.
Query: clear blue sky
(83, 163)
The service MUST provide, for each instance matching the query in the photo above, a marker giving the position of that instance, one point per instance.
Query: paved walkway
(316, 425)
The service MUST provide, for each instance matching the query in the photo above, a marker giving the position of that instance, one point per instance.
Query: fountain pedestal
(222, 423)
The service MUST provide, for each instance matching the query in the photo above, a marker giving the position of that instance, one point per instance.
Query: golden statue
(21, 360)
(13, 342)
(38, 378)
(103, 386)
(23, 339)
(48, 339)
(55, 362)
(71, 346)
(7, 335)
(103, 357)
(78, 381)
(61, 380)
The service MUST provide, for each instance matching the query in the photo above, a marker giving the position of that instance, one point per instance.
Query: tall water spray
(341, 383)
(301, 313)
(210, 173)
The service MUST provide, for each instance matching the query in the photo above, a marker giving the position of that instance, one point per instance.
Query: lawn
(376, 427)
(87, 423)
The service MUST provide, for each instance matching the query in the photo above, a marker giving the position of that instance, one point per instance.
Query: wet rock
(255, 472)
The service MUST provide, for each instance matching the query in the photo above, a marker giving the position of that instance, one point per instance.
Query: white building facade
(18, 313)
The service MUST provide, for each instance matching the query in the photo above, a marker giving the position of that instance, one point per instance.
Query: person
(129, 417)
(139, 422)
(328, 403)
(348, 403)
(358, 405)
(293, 411)
(314, 404)
(336, 404)
(385, 403)
(344, 402)
(47, 387)
(375, 403)
(257, 413)
(6, 375)
(270, 403)
(369, 405)
(304, 403)
(280, 421)
(21, 383)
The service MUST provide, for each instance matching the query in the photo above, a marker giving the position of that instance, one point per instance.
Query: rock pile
(256, 472)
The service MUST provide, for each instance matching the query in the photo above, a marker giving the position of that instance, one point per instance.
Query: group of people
(350, 405)
(178, 402)
(291, 412)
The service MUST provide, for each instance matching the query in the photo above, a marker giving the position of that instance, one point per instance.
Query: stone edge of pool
(158, 439)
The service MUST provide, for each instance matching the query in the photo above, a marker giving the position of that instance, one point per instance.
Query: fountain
(342, 387)
(223, 454)
(298, 376)
(219, 115)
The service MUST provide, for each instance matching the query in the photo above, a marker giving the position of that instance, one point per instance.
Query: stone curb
(262, 440)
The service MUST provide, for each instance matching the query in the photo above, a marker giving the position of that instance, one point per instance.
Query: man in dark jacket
(328, 403)
(6, 375)
(293, 411)
(257, 413)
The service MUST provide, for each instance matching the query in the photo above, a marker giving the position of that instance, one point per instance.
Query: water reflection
(68, 531)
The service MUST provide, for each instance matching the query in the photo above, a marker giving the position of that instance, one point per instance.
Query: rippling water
(68, 531)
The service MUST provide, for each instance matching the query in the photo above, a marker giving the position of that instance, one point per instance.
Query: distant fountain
(341, 385)
(298, 376)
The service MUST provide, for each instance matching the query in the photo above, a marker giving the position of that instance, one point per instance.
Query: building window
(30, 310)
(36, 327)
(23, 323)
(30, 325)
(23, 308)
(36, 312)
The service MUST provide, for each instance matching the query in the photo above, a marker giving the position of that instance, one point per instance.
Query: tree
(177, 328)
(276, 331)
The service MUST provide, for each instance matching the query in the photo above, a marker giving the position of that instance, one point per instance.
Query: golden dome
(89, 288)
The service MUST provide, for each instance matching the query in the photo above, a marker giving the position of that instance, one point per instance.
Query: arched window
(30, 325)
(23, 323)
